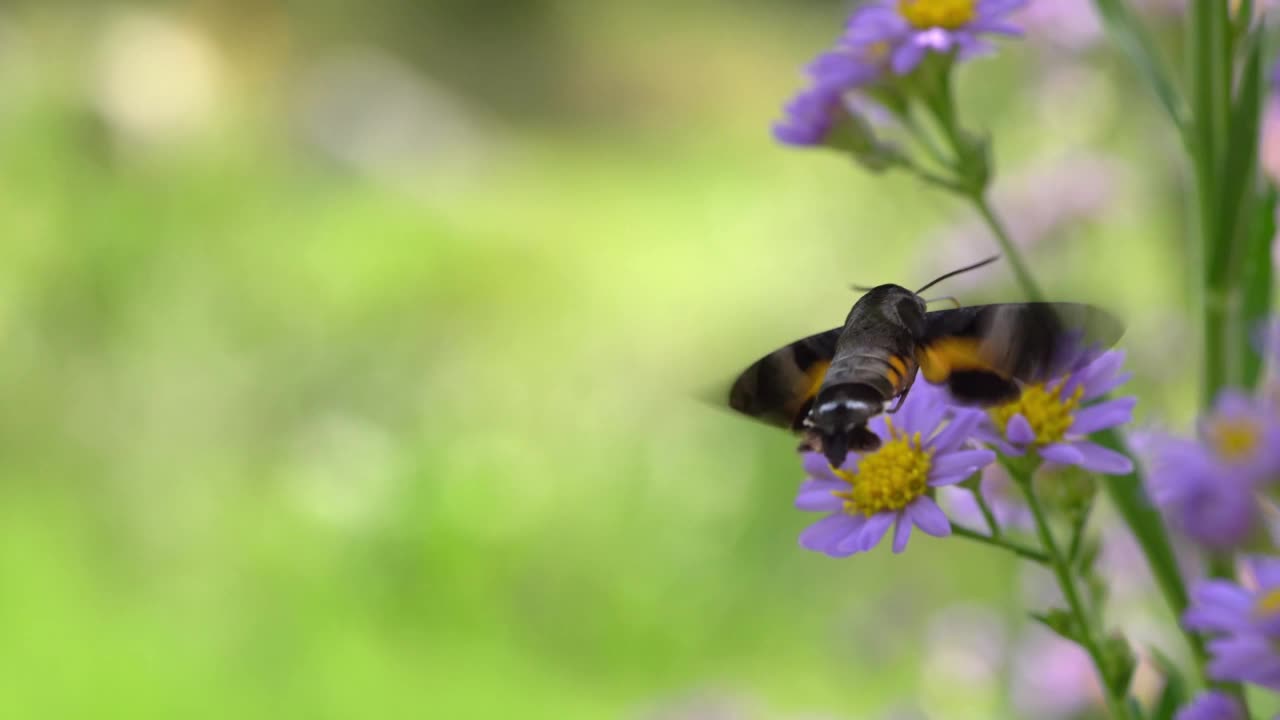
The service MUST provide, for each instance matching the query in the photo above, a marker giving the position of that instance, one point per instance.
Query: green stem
(987, 514)
(1088, 635)
(1078, 525)
(1020, 270)
(1014, 547)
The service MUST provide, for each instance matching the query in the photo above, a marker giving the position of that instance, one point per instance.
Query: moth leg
(901, 399)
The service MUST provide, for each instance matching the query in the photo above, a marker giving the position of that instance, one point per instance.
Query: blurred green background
(352, 356)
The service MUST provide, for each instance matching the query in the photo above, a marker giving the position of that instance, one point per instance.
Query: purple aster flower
(1243, 434)
(924, 447)
(910, 29)
(832, 111)
(1055, 419)
(1247, 622)
(810, 116)
(1211, 705)
(1208, 487)
(1052, 678)
(1222, 606)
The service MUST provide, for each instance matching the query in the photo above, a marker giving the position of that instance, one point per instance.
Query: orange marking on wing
(946, 355)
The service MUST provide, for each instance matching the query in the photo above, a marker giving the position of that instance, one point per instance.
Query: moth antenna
(948, 298)
(954, 273)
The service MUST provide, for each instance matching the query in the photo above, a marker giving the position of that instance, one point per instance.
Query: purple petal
(907, 57)
(872, 530)
(927, 516)
(1099, 377)
(1266, 570)
(1218, 606)
(945, 480)
(826, 532)
(1104, 415)
(818, 499)
(1102, 460)
(1019, 431)
(816, 466)
(956, 432)
(990, 8)
(987, 435)
(874, 24)
(965, 461)
(922, 412)
(1211, 705)
(901, 534)
(1062, 454)
(1250, 658)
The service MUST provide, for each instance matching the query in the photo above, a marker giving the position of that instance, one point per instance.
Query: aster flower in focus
(915, 28)
(1055, 418)
(1246, 622)
(1212, 705)
(924, 447)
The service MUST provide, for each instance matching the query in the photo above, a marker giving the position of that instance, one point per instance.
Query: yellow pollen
(1234, 439)
(949, 14)
(1049, 414)
(889, 478)
(1268, 604)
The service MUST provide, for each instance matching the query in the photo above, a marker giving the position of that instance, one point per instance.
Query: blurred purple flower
(810, 116)
(815, 111)
(1222, 606)
(1211, 705)
(1243, 434)
(1246, 621)
(1208, 486)
(1053, 418)
(1211, 506)
(1246, 658)
(1052, 678)
(1070, 24)
(914, 28)
(922, 450)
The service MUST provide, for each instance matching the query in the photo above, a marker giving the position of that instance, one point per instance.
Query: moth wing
(982, 352)
(779, 388)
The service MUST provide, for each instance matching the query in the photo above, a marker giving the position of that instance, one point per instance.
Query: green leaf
(1174, 694)
(1256, 281)
(1240, 164)
(1062, 622)
(1120, 663)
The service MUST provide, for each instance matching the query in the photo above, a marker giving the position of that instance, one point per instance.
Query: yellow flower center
(949, 14)
(1049, 414)
(1234, 439)
(889, 478)
(1268, 604)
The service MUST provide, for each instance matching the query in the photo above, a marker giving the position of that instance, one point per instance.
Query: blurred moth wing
(982, 353)
(779, 388)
